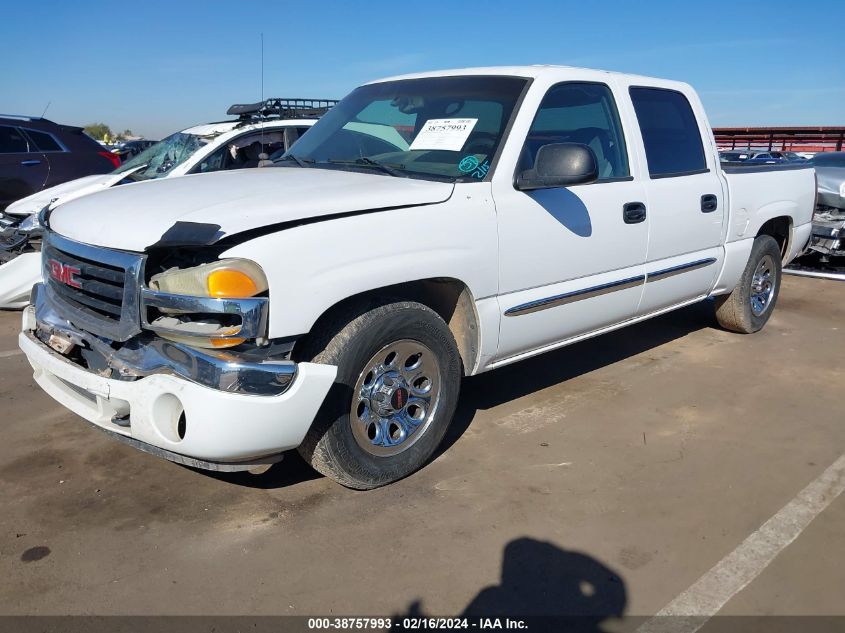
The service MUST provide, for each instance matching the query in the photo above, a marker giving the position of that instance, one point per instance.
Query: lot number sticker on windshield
(448, 134)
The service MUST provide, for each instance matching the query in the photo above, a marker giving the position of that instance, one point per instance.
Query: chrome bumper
(147, 354)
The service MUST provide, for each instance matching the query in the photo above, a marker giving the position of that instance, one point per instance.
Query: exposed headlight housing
(209, 306)
(224, 279)
(30, 223)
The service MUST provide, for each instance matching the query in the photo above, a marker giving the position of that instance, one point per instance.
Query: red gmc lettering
(64, 273)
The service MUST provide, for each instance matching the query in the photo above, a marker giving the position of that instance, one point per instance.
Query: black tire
(350, 341)
(734, 311)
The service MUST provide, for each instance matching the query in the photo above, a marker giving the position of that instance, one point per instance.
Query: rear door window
(12, 141)
(45, 142)
(670, 132)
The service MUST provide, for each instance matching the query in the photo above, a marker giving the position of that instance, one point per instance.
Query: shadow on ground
(521, 379)
(546, 583)
(288, 472)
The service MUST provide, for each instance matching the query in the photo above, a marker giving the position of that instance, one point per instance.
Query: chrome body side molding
(676, 270)
(596, 291)
(577, 295)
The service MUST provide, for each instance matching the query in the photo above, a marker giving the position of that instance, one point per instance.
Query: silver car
(828, 238)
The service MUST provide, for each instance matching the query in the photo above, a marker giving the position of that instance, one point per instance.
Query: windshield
(440, 128)
(161, 158)
(829, 159)
(728, 156)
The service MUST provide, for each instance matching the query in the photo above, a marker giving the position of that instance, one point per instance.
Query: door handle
(30, 163)
(709, 202)
(633, 212)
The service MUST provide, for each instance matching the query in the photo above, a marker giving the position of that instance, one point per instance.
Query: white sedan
(244, 143)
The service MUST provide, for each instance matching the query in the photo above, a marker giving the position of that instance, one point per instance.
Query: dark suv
(36, 153)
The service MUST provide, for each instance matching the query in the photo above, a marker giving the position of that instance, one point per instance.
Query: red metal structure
(795, 139)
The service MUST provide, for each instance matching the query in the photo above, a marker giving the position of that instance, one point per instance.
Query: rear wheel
(395, 393)
(749, 306)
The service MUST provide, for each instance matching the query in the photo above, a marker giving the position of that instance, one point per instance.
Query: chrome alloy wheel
(395, 398)
(763, 285)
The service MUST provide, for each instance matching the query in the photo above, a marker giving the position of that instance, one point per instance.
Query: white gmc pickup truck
(428, 227)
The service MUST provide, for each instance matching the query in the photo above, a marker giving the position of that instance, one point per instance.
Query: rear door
(23, 169)
(55, 153)
(686, 207)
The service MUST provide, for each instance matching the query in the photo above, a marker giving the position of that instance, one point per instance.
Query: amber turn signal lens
(226, 342)
(229, 284)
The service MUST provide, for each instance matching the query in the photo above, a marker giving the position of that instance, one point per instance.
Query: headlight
(211, 305)
(226, 279)
(842, 189)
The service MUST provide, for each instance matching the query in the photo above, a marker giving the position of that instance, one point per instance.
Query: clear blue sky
(156, 67)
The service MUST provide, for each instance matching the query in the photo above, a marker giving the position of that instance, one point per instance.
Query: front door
(571, 258)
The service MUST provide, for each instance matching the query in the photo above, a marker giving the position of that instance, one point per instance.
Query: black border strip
(753, 169)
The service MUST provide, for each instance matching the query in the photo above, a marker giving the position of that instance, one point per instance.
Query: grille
(94, 288)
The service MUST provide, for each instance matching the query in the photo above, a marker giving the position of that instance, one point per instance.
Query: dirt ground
(606, 478)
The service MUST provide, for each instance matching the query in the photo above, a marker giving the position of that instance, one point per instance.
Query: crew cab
(431, 226)
(261, 130)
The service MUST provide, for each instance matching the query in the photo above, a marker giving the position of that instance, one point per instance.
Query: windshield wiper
(302, 162)
(393, 170)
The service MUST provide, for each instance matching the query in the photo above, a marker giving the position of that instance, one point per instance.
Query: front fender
(314, 266)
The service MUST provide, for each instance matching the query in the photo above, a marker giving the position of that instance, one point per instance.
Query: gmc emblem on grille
(64, 273)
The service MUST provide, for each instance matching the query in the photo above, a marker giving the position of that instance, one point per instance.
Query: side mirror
(559, 165)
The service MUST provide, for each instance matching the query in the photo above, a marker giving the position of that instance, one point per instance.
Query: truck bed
(764, 191)
(745, 168)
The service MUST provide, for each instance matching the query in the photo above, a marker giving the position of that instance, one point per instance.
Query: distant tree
(99, 131)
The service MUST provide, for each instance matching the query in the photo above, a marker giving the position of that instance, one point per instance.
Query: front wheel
(748, 307)
(396, 389)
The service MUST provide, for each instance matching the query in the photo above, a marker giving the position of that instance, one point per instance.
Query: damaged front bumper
(213, 410)
(828, 236)
(17, 276)
(20, 266)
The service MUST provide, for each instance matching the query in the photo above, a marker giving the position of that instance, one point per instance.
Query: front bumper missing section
(148, 354)
(174, 416)
(828, 238)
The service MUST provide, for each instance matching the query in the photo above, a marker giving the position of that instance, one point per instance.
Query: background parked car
(128, 149)
(830, 169)
(775, 158)
(262, 130)
(828, 238)
(734, 156)
(760, 157)
(36, 153)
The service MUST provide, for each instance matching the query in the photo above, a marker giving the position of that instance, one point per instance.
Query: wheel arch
(780, 228)
(450, 298)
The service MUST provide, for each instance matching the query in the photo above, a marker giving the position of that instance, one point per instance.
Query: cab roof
(533, 72)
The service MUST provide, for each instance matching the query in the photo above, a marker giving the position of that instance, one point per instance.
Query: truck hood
(135, 217)
(64, 192)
